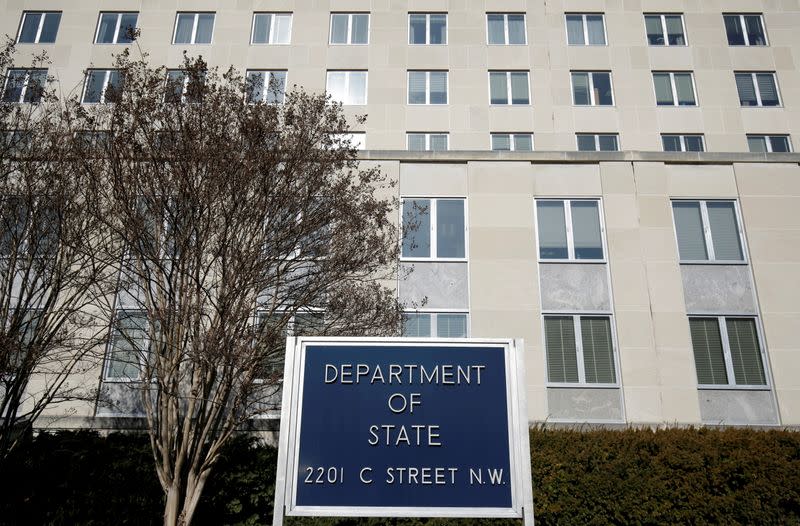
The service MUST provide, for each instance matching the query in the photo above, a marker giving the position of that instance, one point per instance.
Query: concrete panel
(573, 287)
(580, 405)
(433, 179)
(718, 289)
(436, 285)
(567, 180)
(731, 407)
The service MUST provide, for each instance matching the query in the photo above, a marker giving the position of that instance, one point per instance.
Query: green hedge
(674, 476)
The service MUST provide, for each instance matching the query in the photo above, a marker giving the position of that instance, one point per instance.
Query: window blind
(733, 28)
(516, 29)
(283, 26)
(580, 88)
(746, 89)
(357, 89)
(438, 85)
(724, 231)
(519, 88)
(757, 144)
(438, 29)
(685, 89)
(745, 351)
(417, 325)
(523, 143)
(417, 228)
(205, 28)
(438, 142)
(450, 228)
(767, 89)
(183, 33)
(689, 229)
(498, 87)
(261, 28)
(598, 351)
(416, 142)
(755, 32)
(339, 29)
(575, 30)
(663, 89)
(360, 30)
(708, 355)
(451, 325)
(552, 230)
(416, 87)
(562, 361)
(586, 230)
(675, 31)
(496, 29)
(655, 33)
(501, 141)
(597, 35)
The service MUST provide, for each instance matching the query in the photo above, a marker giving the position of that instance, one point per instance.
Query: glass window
(586, 29)
(569, 229)
(683, 143)
(745, 30)
(271, 28)
(115, 28)
(597, 142)
(727, 351)
(193, 28)
(509, 87)
(674, 89)
(39, 27)
(266, 86)
(24, 85)
(592, 88)
(769, 143)
(707, 231)
(129, 347)
(101, 86)
(427, 142)
(349, 28)
(665, 30)
(521, 142)
(427, 87)
(427, 28)
(434, 325)
(434, 228)
(348, 87)
(506, 29)
(579, 349)
(757, 89)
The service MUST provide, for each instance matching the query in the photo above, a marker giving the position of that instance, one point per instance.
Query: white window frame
(508, 86)
(768, 140)
(505, 28)
(116, 29)
(757, 89)
(596, 137)
(664, 32)
(427, 86)
(592, 100)
(569, 230)
(348, 73)
(427, 136)
(39, 29)
(712, 260)
(106, 79)
(28, 72)
(434, 313)
(268, 73)
(682, 138)
(744, 29)
(576, 321)
(428, 28)
(110, 349)
(196, 15)
(432, 212)
(271, 28)
(674, 89)
(726, 353)
(586, 28)
(511, 137)
(349, 16)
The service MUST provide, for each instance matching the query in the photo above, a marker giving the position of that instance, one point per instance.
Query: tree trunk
(180, 505)
(173, 504)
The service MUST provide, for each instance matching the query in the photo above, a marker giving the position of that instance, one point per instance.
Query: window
(101, 86)
(665, 30)
(28, 227)
(427, 87)
(348, 87)
(434, 228)
(597, 142)
(266, 86)
(193, 28)
(39, 27)
(349, 28)
(519, 142)
(586, 29)
(506, 29)
(592, 88)
(129, 347)
(427, 28)
(271, 28)
(509, 87)
(683, 143)
(769, 143)
(115, 28)
(14, 142)
(745, 30)
(579, 349)
(182, 87)
(302, 323)
(435, 325)
(357, 140)
(427, 142)
(708, 231)
(24, 85)
(757, 89)
(727, 351)
(569, 229)
(674, 89)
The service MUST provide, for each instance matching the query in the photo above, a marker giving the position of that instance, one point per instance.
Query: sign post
(400, 427)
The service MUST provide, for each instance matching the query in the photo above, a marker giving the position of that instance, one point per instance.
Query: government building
(612, 181)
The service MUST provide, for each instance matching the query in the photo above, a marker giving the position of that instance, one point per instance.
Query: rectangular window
(727, 351)
(665, 30)
(519, 142)
(597, 142)
(271, 28)
(586, 29)
(434, 228)
(505, 29)
(193, 28)
(769, 143)
(509, 87)
(427, 87)
(757, 89)
(347, 87)
(128, 348)
(349, 28)
(580, 350)
(115, 28)
(708, 231)
(427, 28)
(266, 86)
(683, 143)
(39, 27)
(101, 86)
(435, 325)
(569, 229)
(427, 142)
(24, 85)
(14, 142)
(745, 30)
(674, 88)
(592, 88)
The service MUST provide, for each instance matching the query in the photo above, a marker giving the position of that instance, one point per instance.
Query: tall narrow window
(266, 86)
(128, 348)
(115, 28)
(427, 28)
(427, 142)
(707, 231)
(683, 143)
(349, 28)
(520, 142)
(674, 88)
(769, 143)
(24, 85)
(271, 28)
(506, 29)
(193, 28)
(101, 86)
(586, 29)
(579, 349)
(727, 351)
(434, 228)
(745, 30)
(39, 27)
(597, 142)
(569, 229)
(348, 87)
(592, 88)
(757, 89)
(427, 87)
(665, 30)
(509, 87)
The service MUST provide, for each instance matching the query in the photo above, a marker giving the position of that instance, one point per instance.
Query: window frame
(195, 25)
(427, 87)
(585, 27)
(36, 41)
(682, 139)
(271, 28)
(119, 15)
(106, 81)
(596, 137)
(674, 89)
(434, 313)
(707, 232)
(592, 101)
(768, 141)
(576, 321)
(742, 25)
(433, 214)
(349, 15)
(348, 74)
(757, 89)
(664, 32)
(427, 15)
(509, 95)
(567, 201)
(427, 136)
(512, 141)
(505, 27)
(23, 92)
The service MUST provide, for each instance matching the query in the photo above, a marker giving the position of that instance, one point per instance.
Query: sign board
(392, 427)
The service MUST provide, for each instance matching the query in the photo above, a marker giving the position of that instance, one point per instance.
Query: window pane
(663, 89)
(276, 87)
(416, 32)
(357, 90)
(501, 142)
(562, 359)
(450, 228)
(597, 36)
(672, 143)
(580, 88)
(655, 33)
(498, 87)
(205, 27)
(255, 86)
(183, 33)
(339, 29)
(685, 89)
(779, 144)
(107, 29)
(175, 82)
(126, 27)
(50, 28)
(757, 144)
(35, 85)
(586, 230)
(451, 325)
(575, 30)
(416, 87)
(30, 27)
(709, 361)
(602, 89)
(261, 28)
(675, 31)
(360, 29)
(128, 346)
(689, 230)
(438, 29)
(733, 28)
(336, 85)
(747, 91)
(417, 325)
(416, 142)
(113, 87)
(516, 29)
(438, 82)
(438, 142)
(755, 31)
(745, 352)
(607, 143)
(283, 27)
(724, 231)
(586, 143)
(417, 228)
(598, 351)
(496, 28)
(94, 86)
(519, 88)
(767, 89)
(523, 143)
(552, 230)
(694, 143)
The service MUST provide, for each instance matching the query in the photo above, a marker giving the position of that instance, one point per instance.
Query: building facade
(612, 181)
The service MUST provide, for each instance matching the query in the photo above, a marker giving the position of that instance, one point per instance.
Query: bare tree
(234, 219)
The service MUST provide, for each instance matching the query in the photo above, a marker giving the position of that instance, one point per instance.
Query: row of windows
(582, 29)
